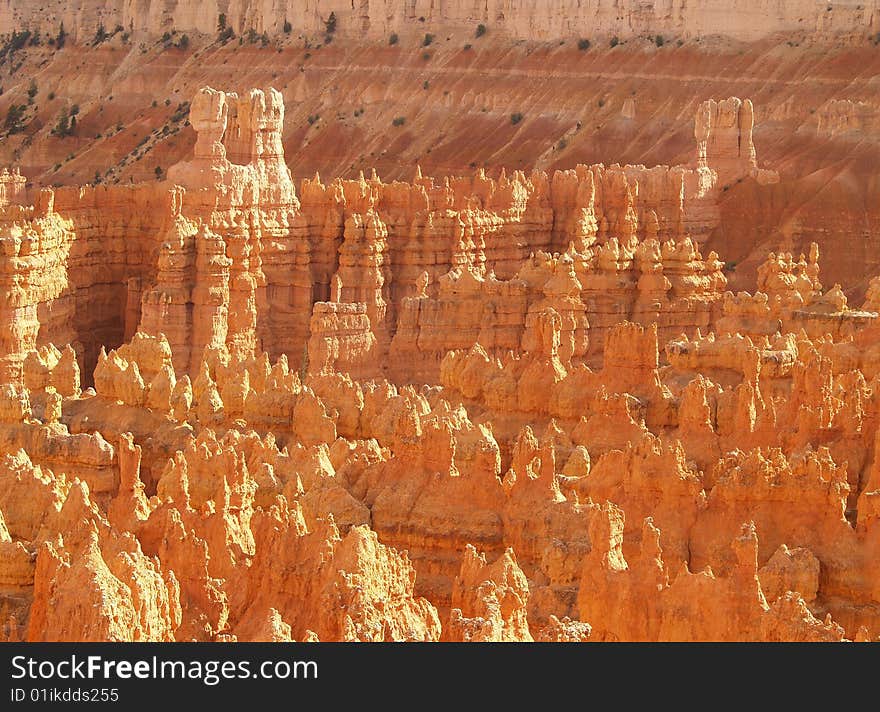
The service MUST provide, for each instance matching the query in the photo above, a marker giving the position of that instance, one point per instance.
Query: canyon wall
(519, 19)
(356, 106)
(472, 408)
(225, 254)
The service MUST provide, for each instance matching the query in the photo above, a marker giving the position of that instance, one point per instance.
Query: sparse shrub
(159, 172)
(287, 27)
(614, 41)
(426, 84)
(224, 33)
(100, 35)
(51, 95)
(426, 56)
(74, 110)
(429, 38)
(481, 30)
(61, 38)
(516, 118)
(14, 116)
(583, 44)
(181, 112)
(183, 42)
(601, 103)
(394, 39)
(330, 25)
(399, 121)
(658, 40)
(563, 144)
(32, 90)
(468, 47)
(314, 118)
(16, 41)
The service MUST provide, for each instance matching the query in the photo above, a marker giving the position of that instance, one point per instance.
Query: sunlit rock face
(512, 408)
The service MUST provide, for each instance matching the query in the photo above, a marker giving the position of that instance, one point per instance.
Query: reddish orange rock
(478, 408)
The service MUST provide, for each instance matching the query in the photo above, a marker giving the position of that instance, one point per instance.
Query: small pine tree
(13, 118)
(62, 127)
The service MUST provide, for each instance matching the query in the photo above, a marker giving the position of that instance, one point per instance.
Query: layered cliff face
(473, 408)
(376, 18)
(110, 99)
(225, 254)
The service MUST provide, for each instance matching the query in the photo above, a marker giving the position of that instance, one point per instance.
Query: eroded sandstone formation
(523, 407)
(376, 18)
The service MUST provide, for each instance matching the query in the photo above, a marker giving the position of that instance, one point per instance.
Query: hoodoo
(251, 391)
